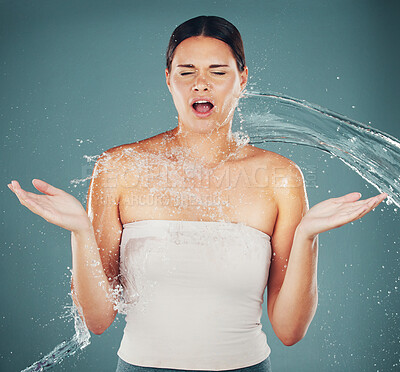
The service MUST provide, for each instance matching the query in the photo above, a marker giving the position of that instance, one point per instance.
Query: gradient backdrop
(80, 77)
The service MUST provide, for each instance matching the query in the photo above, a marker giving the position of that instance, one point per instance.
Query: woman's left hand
(336, 212)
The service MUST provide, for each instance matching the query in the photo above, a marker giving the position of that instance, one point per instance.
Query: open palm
(55, 206)
(336, 212)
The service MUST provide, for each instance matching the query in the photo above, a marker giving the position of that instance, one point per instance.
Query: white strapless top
(197, 290)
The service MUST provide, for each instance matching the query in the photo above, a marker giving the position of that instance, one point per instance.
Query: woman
(194, 224)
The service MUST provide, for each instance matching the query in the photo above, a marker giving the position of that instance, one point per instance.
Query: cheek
(230, 92)
(179, 88)
(231, 86)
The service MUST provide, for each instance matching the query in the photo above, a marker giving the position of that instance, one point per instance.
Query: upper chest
(158, 188)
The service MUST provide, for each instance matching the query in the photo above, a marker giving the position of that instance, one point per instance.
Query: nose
(201, 83)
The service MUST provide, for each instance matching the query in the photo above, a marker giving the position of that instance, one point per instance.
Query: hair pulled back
(211, 26)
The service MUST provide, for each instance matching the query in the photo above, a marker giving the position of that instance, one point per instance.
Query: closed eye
(188, 73)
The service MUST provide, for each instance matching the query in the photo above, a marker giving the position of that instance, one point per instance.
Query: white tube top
(201, 286)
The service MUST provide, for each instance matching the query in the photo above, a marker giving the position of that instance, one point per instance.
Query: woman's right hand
(56, 206)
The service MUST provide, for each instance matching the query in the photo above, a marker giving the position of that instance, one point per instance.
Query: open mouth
(202, 107)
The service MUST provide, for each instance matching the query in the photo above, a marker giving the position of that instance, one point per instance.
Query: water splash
(371, 153)
(374, 155)
(79, 341)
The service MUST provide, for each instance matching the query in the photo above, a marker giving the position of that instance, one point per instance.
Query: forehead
(202, 49)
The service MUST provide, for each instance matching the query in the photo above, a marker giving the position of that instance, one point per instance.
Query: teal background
(79, 77)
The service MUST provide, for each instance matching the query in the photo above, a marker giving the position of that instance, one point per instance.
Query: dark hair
(211, 26)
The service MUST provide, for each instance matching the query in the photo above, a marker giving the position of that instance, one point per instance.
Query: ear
(244, 75)
(167, 79)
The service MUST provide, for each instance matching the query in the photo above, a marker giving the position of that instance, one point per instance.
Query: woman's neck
(209, 149)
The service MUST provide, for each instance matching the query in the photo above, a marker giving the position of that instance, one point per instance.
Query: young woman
(195, 224)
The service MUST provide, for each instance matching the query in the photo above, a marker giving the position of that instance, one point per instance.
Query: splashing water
(79, 341)
(374, 155)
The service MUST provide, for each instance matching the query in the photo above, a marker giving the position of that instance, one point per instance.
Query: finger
(364, 211)
(371, 200)
(45, 187)
(10, 185)
(354, 208)
(361, 212)
(12, 189)
(21, 193)
(32, 205)
(379, 199)
(353, 196)
(372, 204)
(383, 195)
(358, 212)
(17, 187)
(376, 200)
(363, 202)
(22, 198)
(37, 209)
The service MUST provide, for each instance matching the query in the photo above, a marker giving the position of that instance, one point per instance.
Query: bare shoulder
(129, 150)
(287, 181)
(123, 164)
(118, 156)
(287, 173)
(107, 169)
(280, 171)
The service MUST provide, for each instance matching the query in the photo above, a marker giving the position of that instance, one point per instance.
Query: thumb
(45, 187)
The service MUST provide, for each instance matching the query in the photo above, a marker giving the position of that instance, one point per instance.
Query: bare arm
(295, 304)
(95, 250)
(91, 289)
(95, 237)
(292, 285)
(292, 282)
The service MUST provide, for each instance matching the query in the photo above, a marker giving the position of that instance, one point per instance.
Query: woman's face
(204, 67)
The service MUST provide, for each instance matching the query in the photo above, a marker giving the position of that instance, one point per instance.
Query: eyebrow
(211, 66)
